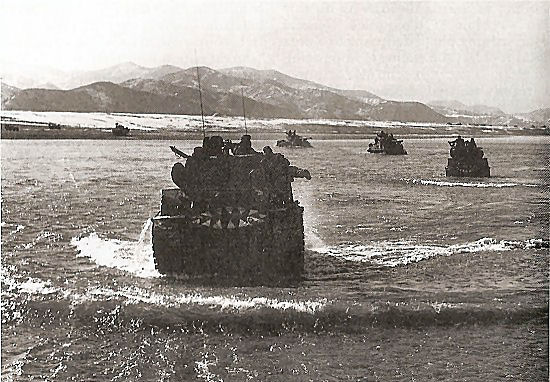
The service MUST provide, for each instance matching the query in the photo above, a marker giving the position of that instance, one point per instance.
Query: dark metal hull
(284, 143)
(473, 169)
(120, 132)
(266, 247)
(374, 150)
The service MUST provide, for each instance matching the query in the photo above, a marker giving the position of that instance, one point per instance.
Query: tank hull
(376, 150)
(476, 169)
(120, 132)
(285, 143)
(253, 246)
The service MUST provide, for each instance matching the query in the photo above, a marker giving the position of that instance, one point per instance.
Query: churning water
(409, 275)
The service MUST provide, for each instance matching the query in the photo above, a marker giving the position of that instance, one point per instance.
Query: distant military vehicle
(293, 140)
(386, 144)
(120, 130)
(10, 127)
(466, 160)
(233, 215)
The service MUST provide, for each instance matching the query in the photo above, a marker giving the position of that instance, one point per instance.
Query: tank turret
(466, 160)
(233, 214)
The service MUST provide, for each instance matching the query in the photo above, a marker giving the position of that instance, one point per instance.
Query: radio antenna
(200, 100)
(244, 112)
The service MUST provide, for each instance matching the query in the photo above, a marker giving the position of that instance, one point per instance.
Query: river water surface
(409, 275)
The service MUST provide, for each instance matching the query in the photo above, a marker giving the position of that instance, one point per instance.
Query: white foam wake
(135, 257)
(135, 295)
(31, 285)
(394, 253)
(466, 184)
(18, 227)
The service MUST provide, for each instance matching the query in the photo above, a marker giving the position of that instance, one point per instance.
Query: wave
(135, 295)
(467, 184)
(44, 236)
(135, 308)
(395, 253)
(28, 182)
(138, 309)
(18, 227)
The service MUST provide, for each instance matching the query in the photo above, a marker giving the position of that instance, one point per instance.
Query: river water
(409, 275)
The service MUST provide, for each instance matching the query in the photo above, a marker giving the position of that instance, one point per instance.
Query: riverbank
(316, 132)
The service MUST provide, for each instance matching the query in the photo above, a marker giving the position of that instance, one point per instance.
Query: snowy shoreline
(167, 126)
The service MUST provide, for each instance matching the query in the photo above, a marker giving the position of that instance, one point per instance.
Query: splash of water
(135, 257)
(312, 238)
(146, 231)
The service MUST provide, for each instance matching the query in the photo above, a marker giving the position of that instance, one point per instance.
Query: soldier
(268, 151)
(245, 146)
(205, 146)
(277, 170)
(199, 153)
(458, 148)
(216, 146)
(228, 146)
(472, 144)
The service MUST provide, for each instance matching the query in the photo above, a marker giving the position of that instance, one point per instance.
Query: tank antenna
(200, 100)
(244, 112)
(200, 95)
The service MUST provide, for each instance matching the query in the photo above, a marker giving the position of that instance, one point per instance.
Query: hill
(8, 93)
(539, 115)
(455, 108)
(169, 89)
(114, 98)
(99, 96)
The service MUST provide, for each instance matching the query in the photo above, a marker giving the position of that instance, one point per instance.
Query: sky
(482, 52)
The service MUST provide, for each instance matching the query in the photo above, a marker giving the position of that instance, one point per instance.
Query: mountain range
(169, 89)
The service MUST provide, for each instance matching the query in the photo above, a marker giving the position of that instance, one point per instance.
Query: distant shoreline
(316, 132)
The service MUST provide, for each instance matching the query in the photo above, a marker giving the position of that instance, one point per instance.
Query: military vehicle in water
(232, 216)
(293, 140)
(54, 126)
(386, 144)
(120, 130)
(466, 160)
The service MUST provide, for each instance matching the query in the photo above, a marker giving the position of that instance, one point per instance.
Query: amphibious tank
(120, 130)
(466, 160)
(386, 144)
(232, 215)
(293, 140)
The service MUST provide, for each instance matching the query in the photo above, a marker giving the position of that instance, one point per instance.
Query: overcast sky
(495, 53)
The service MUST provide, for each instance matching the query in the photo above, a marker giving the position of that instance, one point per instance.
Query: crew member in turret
(458, 147)
(244, 147)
